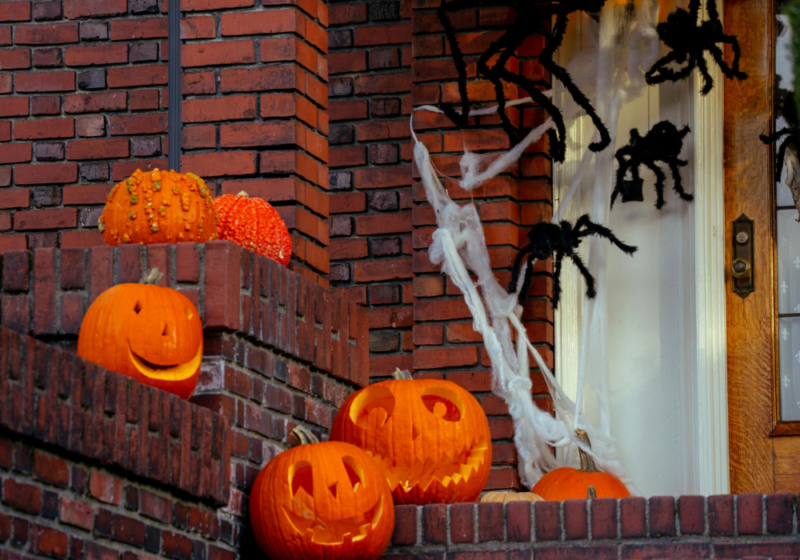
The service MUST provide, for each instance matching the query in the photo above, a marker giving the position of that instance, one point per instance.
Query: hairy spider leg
(731, 71)
(546, 60)
(694, 8)
(676, 176)
(584, 226)
(660, 178)
(558, 260)
(708, 81)
(511, 41)
(660, 73)
(711, 9)
(516, 268)
(591, 292)
(462, 118)
(557, 139)
(782, 157)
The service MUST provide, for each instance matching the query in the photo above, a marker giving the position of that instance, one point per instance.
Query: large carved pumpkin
(255, 225)
(158, 207)
(321, 500)
(567, 483)
(147, 332)
(430, 437)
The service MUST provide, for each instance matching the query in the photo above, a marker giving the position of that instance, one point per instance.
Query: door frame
(711, 435)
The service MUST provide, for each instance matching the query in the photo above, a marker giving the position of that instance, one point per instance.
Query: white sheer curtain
(651, 312)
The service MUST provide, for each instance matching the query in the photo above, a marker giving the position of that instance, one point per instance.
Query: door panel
(749, 190)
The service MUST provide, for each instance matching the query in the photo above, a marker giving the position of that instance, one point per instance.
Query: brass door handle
(740, 268)
(744, 275)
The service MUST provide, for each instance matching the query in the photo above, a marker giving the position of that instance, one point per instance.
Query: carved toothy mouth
(448, 471)
(172, 372)
(334, 532)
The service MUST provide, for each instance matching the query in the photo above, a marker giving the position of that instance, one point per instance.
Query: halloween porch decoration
(507, 496)
(458, 245)
(661, 144)
(530, 18)
(254, 224)
(430, 437)
(324, 500)
(150, 333)
(689, 40)
(567, 483)
(546, 239)
(158, 207)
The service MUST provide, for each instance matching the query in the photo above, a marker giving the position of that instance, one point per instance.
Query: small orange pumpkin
(255, 225)
(147, 332)
(567, 483)
(321, 500)
(505, 497)
(430, 437)
(158, 207)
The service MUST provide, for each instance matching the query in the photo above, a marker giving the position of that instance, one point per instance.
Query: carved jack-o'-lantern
(147, 332)
(431, 438)
(321, 500)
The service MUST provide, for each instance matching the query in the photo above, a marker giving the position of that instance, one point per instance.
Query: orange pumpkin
(430, 437)
(567, 483)
(158, 207)
(508, 496)
(321, 500)
(254, 224)
(147, 332)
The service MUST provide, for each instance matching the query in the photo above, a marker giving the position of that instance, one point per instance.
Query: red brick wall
(370, 170)
(94, 465)
(81, 103)
(84, 101)
(255, 113)
(381, 222)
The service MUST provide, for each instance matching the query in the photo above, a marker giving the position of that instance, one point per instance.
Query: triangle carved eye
(354, 472)
(301, 477)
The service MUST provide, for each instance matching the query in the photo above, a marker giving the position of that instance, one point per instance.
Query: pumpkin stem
(401, 375)
(304, 436)
(591, 493)
(243, 194)
(587, 464)
(153, 276)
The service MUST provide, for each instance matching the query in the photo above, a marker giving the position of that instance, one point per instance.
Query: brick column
(80, 107)
(446, 346)
(255, 111)
(370, 170)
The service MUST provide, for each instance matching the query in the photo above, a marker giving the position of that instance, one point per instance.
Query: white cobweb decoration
(611, 73)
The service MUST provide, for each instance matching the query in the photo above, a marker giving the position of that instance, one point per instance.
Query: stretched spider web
(612, 73)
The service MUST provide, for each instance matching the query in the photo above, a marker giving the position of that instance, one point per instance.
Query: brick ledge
(57, 398)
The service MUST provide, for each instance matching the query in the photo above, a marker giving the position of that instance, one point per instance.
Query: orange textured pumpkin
(158, 207)
(147, 332)
(254, 224)
(430, 437)
(321, 500)
(567, 483)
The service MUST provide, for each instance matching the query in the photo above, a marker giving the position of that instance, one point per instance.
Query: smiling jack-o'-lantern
(430, 437)
(147, 332)
(321, 500)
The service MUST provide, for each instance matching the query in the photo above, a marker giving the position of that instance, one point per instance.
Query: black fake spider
(689, 41)
(791, 132)
(546, 238)
(663, 143)
(529, 18)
